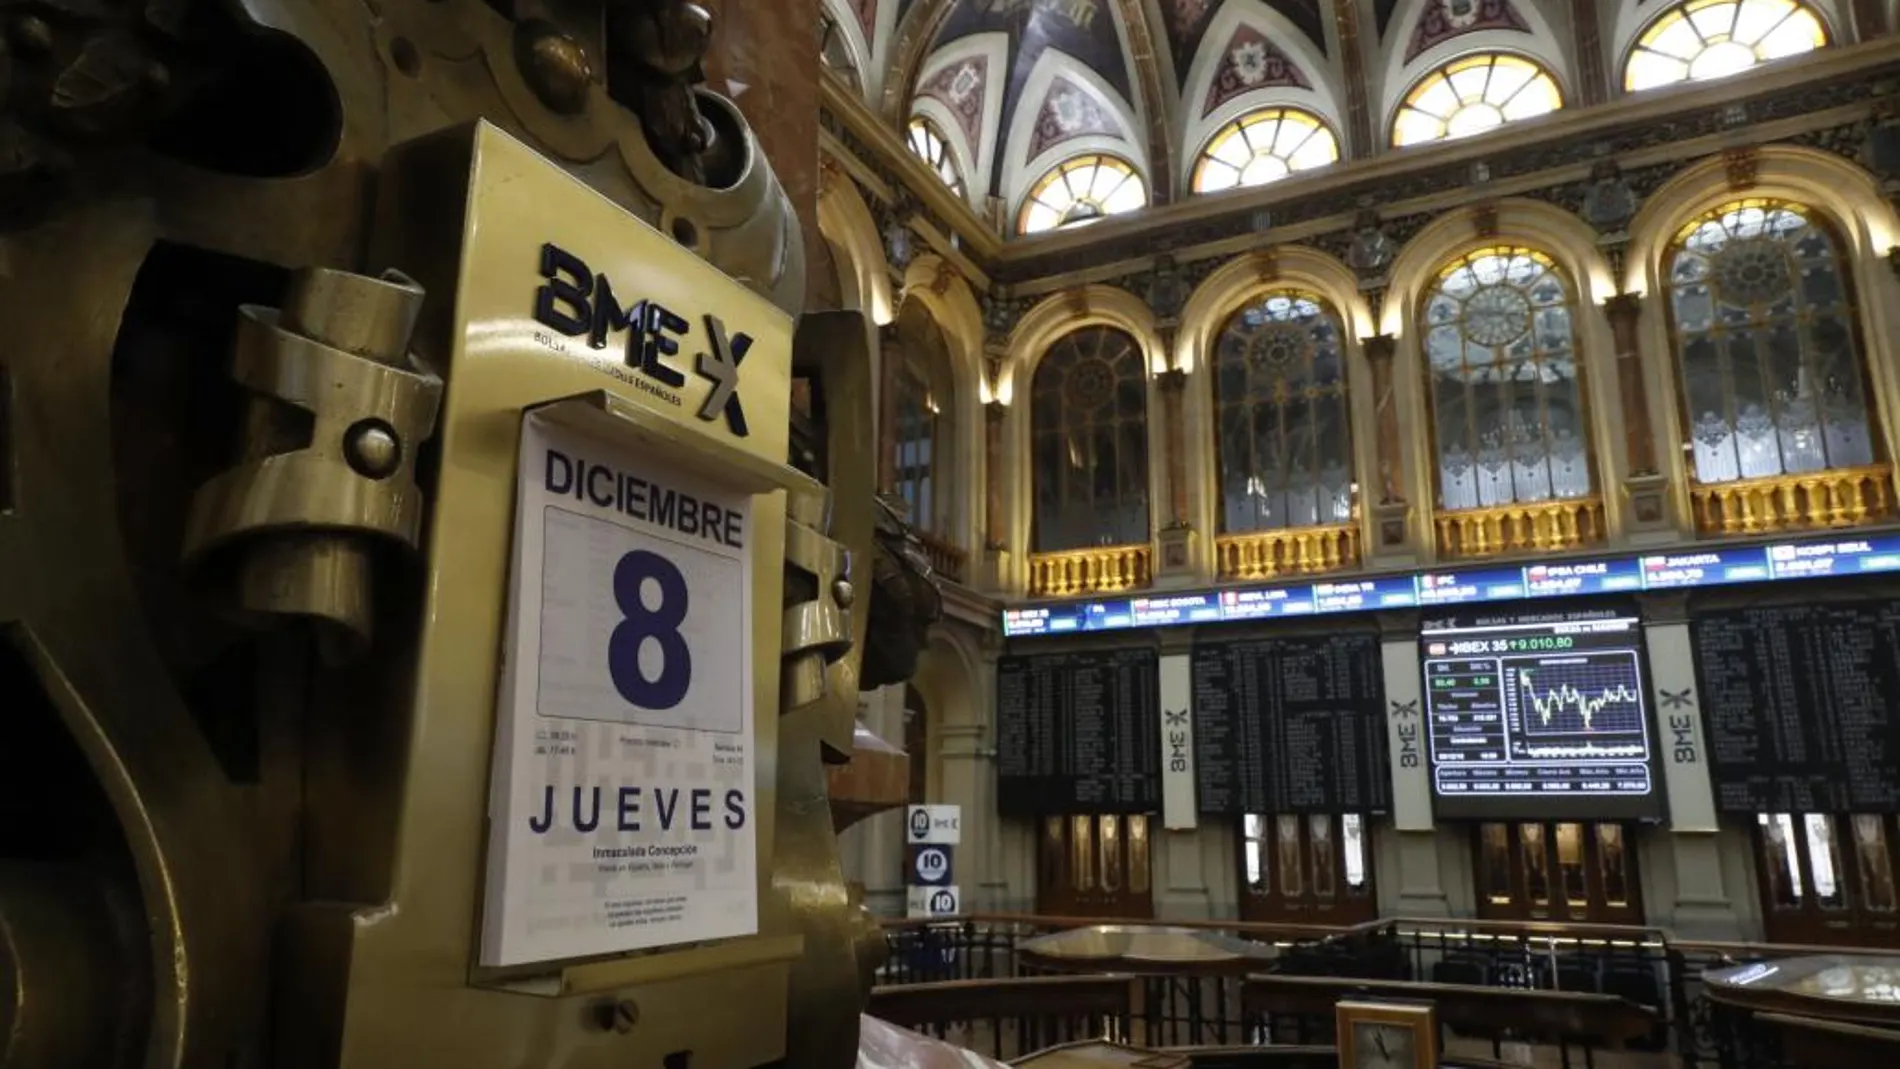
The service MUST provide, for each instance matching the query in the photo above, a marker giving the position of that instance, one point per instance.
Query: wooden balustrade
(1291, 551)
(1543, 526)
(1840, 497)
(1096, 570)
(946, 557)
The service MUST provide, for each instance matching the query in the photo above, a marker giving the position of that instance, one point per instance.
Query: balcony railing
(1543, 526)
(1841, 497)
(946, 557)
(1096, 570)
(1294, 551)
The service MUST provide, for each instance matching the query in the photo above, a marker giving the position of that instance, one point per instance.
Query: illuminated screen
(1539, 717)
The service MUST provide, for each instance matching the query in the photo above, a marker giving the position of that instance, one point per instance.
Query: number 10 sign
(621, 817)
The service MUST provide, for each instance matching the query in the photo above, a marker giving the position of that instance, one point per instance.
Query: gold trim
(1840, 497)
(1095, 570)
(1421, 1018)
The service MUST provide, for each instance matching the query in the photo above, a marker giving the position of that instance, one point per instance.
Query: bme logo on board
(575, 303)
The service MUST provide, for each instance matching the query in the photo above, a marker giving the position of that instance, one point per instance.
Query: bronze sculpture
(238, 834)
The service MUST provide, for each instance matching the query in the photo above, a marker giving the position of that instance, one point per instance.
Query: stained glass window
(1506, 389)
(1763, 314)
(1705, 39)
(1282, 416)
(928, 143)
(1264, 146)
(1088, 422)
(1472, 95)
(1080, 191)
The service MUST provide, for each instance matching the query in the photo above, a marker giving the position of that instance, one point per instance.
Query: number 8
(661, 624)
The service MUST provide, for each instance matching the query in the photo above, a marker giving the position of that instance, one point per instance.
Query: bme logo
(576, 302)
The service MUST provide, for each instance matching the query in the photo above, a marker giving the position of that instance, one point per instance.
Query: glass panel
(1704, 39)
(1264, 146)
(1874, 859)
(1138, 855)
(1353, 845)
(1570, 864)
(1082, 190)
(1283, 417)
(1536, 863)
(1287, 856)
(1495, 861)
(1771, 369)
(1319, 829)
(1111, 853)
(1471, 95)
(1613, 865)
(1781, 860)
(1054, 849)
(1824, 861)
(929, 145)
(1507, 390)
(1253, 853)
(1088, 415)
(1082, 842)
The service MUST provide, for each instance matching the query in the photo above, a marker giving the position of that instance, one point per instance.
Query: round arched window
(930, 146)
(1080, 191)
(1264, 146)
(1705, 39)
(1472, 95)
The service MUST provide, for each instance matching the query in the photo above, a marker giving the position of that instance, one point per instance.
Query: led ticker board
(1535, 716)
(1682, 570)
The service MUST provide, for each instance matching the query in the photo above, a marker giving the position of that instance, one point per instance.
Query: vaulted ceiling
(1016, 87)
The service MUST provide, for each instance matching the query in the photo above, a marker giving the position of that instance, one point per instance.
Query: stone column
(995, 537)
(890, 352)
(1390, 508)
(1625, 310)
(1645, 485)
(1173, 383)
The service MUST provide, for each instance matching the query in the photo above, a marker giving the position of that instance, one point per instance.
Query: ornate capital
(1173, 380)
(1893, 259)
(1742, 164)
(1380, 348)
(1624, 308)
(994, 411)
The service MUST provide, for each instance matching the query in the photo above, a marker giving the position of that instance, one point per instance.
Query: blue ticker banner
(1682, 568)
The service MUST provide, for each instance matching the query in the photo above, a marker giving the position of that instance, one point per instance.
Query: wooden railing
(1842, 497)
(946, 557)
(1544, 526)
(1292, 551)
(1096, 570)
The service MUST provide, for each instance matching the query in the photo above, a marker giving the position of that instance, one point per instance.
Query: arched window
(1704, 39)
(920, 388)
(1506, 389)
(1080, 191)
(1472, 95)
(1282, 416)
(1264, 146)
(835, 52)
(1088, 421)
(928, 143)
(1772, 373)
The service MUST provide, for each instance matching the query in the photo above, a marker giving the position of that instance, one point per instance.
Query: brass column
(1624, 310)
(1173, 383)
(1380, 350)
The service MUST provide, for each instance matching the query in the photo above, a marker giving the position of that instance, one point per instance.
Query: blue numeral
(661, 624)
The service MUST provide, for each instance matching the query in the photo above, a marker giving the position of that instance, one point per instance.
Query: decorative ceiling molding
(1250, 61)
(1443, 20)
(1068, 111)
(909, 45)
(960, 85)
(1157, 99)
(1359, 142)
(1586, 34)
(867, 18)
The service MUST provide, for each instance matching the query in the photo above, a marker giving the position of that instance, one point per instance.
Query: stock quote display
(1542, 716)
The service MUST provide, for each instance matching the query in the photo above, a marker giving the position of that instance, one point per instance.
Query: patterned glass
(1088, 422)
(1506, 390)
(1282, 415)
(1771, 371)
